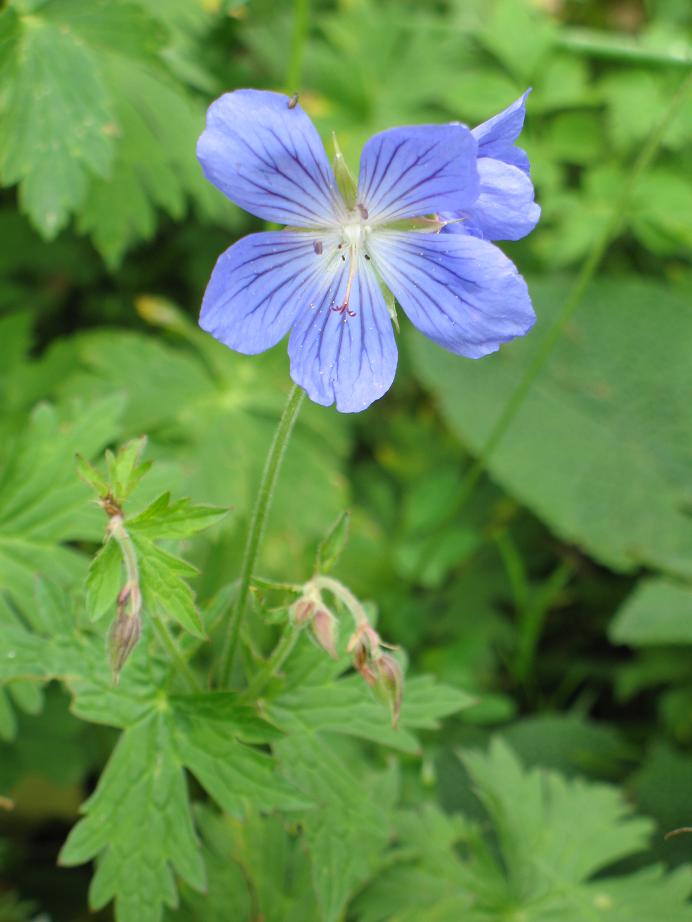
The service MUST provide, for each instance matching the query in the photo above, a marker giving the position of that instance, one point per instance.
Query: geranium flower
(504, 209)
(321, 278)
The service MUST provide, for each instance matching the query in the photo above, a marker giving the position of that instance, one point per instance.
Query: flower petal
(496, 137)
(462, 292)
(269, 159)
(258, 287)
(411, 172)
(504, 210)
(343, 358)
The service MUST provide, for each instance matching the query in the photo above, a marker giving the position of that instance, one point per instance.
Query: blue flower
(321, 277)
(504, 209)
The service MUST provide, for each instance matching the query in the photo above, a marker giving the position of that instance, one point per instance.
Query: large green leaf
(42, 503)
(601, 447)
(96, 121)
(139, 822)
(552, 841)
(213, 414)
(349, 829)
(348, 706)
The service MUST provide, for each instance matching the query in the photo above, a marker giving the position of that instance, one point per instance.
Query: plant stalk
(263, 503)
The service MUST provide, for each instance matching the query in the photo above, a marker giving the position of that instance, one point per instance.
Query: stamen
(344, 308)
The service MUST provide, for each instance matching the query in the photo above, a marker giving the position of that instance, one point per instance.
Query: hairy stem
(265, 494)
(131, 589)
(339, 591)
(573, 299)
(133, 595)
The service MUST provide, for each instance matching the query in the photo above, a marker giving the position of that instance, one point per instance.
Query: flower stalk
(127, 627)
(265, 495)
(380, 669)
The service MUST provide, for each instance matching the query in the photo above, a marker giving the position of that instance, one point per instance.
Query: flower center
(353, 234)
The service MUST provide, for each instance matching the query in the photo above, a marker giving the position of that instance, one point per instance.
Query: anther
(317, 247)
(293, 101)
(366, 256)
(363, 211)
(343, 309)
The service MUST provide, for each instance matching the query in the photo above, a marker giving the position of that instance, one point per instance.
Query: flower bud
(389, 683)
(364, 643)
(123, 639)
(323, 627)
(302, 611)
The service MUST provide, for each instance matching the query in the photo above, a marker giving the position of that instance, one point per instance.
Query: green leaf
(56, 122)
(519, 36)
(163, 519)
(552, 841)
(227, 895)
(155, 164)
(124, 468)
(163, 581)
(139, 822)
(333, 544)
(659, 611)
(97, 117)
(223, 409)
(348, 831)
(229, 770)
(599, 479)
(536, 813)
(661, 788)
(347, 706)
(104, 580)
(91, 476)
(42, 503)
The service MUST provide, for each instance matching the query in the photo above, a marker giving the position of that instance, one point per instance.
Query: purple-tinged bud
(324, 627)
(390, 683)
(303, 611)
(123, 639)
(365, 642)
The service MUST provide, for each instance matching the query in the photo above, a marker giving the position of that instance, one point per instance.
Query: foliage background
(557, 595)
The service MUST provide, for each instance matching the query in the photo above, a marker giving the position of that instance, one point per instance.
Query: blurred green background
(560, 592)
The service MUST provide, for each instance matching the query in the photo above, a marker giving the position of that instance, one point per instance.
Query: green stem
(574, 297)
(168, 641)
(598, 44)
(301, 18)
(265, 495)
(279, 655)
(339, 591)
(117, 530)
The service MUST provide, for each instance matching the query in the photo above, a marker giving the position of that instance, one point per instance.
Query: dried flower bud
(324, 627)
(303, 611)
(124, 637)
